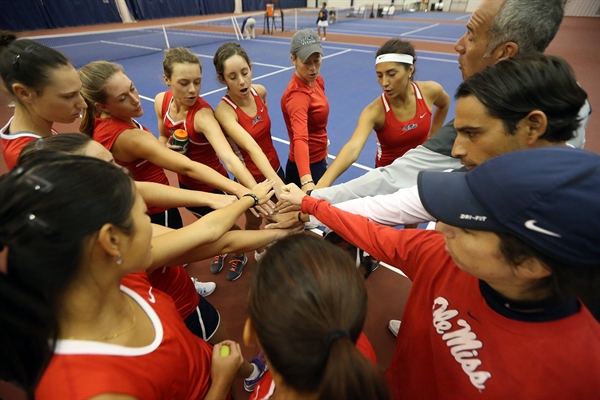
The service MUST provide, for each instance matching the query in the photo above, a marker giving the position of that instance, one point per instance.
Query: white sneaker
(259, 254)
(324, 39)
(394, 326)
(204, 288)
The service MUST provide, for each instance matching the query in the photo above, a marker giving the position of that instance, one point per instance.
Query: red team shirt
(259, 127)
(13, 143)
(397, 137)
(176, 365)
(199, 148)
(452, 344)
(305, 111)
(106, 132)
(266, 386)
(176, 282)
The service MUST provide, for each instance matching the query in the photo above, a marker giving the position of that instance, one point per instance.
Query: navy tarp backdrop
(22, 15)
(153, 9)
(260, 5)
(28, 15)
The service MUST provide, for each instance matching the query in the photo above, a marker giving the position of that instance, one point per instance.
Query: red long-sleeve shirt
(305, 111)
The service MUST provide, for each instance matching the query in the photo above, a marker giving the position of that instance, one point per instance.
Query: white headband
(394, 57)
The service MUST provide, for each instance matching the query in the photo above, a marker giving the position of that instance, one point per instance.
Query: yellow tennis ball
(225, 350)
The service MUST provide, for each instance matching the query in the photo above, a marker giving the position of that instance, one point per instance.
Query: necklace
(110, 337)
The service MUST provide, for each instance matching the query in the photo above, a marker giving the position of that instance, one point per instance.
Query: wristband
(253, 197)
(307, 182)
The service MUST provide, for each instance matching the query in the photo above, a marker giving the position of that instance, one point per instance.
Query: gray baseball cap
(304, 43)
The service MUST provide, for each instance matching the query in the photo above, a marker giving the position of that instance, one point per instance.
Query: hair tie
(334, 335)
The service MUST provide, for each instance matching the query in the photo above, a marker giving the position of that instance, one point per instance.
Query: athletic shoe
(324, 39)
(237, 265)
(217, 264)
(204, 288)
(262, 366)
(394, 326)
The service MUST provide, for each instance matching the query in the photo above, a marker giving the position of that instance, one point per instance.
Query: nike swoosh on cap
(531, 225)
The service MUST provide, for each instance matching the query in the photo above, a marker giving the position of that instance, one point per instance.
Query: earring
(119, 260)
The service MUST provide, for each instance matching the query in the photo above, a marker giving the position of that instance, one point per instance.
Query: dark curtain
(253, 5)
(217, 7)
(24, 15)
(65, 13)
(153, 9)
(261, 5)
(292, 4)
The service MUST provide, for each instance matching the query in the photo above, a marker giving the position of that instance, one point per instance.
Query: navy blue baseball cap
(548, 197)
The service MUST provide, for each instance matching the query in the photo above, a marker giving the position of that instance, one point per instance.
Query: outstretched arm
(234, 242)
(205, 122)
(433, 155)
(136, 143)
(229, 121)
(207, 229)
(351, 150)
(435, 93)
(159, 195)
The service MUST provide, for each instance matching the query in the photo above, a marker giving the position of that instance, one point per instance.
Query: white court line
(338, 53)
(435, 39)
(357, 165)
(254, 63)
(438, 59)
(420, 29)
(131, 45)
(462, 17)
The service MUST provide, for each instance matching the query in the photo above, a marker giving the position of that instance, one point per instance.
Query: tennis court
(349, 74)
(348, 69)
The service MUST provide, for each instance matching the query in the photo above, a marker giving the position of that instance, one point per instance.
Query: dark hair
(65, 143)
(49, 209)
(399, 46)
(513, 88)
(178, 55)
(582, 281)
(93, 79)
(303, 290)
(28, 63)
(531, 24)
(224, 53)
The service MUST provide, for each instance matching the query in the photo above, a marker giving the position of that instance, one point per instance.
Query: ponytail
(88, 117)
(311, 341)
(349, 375)
(93, 79)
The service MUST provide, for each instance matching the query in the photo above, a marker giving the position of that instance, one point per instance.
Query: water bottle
(180, 138)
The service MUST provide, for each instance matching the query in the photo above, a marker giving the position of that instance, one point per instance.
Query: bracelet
(253, 197)
(300, 216)
(306, 183)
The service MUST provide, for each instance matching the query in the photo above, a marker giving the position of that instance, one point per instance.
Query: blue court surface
(348, 69)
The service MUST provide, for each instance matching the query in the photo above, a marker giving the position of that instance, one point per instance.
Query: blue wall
(24, 15)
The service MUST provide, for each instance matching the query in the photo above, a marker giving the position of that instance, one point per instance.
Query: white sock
(254, 373)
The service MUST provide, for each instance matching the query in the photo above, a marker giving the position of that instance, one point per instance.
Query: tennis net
(114, 45)
(307, 17)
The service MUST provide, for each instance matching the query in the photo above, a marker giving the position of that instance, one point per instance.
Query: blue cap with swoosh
(549, 197)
